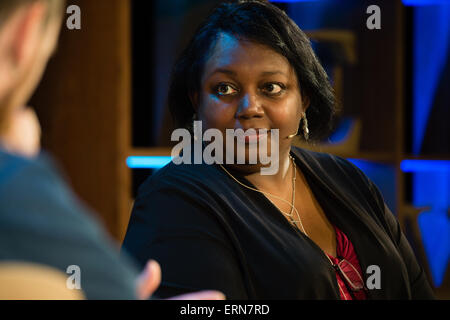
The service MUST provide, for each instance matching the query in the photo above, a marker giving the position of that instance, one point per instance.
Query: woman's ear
(305, 102)
(193, 96)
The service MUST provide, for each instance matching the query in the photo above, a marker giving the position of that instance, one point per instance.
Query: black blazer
(208, 232)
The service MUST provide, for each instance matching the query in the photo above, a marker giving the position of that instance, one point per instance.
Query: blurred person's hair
(7, 7)
(263, 23)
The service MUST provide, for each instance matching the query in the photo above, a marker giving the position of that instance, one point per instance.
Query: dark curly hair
(266, 24)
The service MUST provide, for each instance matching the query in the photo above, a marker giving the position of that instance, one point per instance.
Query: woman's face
(248, 85)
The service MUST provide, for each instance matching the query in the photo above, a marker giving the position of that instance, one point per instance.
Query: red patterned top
(345, 250)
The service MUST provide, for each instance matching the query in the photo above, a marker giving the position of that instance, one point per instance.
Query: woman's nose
(249, 107)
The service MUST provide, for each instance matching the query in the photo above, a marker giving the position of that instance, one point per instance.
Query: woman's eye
(273, 88)
(225, 89)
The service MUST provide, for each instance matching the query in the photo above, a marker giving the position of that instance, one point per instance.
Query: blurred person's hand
(22, 135)
(150, 279)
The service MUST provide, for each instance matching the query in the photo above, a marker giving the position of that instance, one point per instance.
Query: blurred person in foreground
(41, 221)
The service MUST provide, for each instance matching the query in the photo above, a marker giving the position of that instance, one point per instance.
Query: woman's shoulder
(339, 173)
(344, 176)
(181, 177)
(331, 165)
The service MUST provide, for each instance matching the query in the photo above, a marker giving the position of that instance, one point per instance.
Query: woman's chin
(245, 169)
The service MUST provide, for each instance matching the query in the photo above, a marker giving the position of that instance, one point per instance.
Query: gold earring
(305, 126)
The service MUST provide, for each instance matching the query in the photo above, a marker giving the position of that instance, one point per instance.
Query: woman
(317, 229)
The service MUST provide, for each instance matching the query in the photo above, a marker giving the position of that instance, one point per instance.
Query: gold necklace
(290, 214)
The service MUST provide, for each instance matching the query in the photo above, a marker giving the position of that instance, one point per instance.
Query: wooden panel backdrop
(84, 106)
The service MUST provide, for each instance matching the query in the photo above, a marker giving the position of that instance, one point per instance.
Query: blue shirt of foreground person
(41, 221)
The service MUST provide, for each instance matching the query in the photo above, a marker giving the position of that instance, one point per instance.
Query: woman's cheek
(281, 116)
(216, 114)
